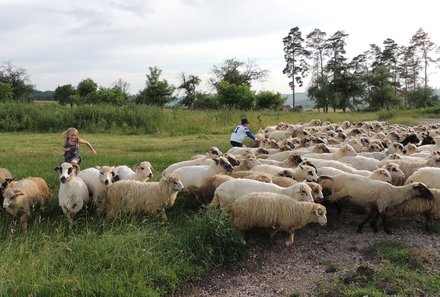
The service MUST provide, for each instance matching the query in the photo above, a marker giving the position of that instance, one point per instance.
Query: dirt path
(317, 256)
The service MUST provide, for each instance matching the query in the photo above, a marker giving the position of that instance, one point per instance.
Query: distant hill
(300, 99)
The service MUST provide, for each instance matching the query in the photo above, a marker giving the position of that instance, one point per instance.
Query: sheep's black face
(423, 191)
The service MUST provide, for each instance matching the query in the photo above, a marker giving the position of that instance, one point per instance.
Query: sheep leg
(368, 218)
(291, 239)
(373, 222)
(274, 231)
(24, 219)
(163, 215)
(385, 225)
(428, 220)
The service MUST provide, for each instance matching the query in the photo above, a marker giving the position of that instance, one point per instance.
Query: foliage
(235, 96)
(157, 92)
(43, 95)
(189, 85)
(85, 88)
(269, 100)
(206, 101)
(237, 73)
(6, 93)
(18, 79)
(381, 93)
(421, 97)
(114, 96)
(64, 94)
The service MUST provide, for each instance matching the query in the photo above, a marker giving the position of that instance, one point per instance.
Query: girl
(71, 146)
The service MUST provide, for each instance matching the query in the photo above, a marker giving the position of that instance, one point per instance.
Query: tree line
(381, 77)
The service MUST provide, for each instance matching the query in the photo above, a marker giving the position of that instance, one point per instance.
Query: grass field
(133, 256)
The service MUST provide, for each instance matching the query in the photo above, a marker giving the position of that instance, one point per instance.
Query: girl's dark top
(72, 153)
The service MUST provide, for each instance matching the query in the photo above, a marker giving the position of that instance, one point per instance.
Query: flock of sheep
(389, 170)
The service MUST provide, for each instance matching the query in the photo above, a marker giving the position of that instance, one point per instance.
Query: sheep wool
(266, 209)
(130, 196)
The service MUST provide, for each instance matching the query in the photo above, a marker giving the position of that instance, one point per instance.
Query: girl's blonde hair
(70, 131)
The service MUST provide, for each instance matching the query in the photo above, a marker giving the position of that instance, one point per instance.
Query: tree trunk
(293, 93)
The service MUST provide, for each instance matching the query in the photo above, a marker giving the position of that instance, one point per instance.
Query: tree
(113, 96)
(121, 85)
(390, 57)
(189, 85)
(424, 46)
(6, 93)
(235, 96)
(237, 72)
(85, 87)
(64, 94)
(157, 92)
(408, 70)
(18, 79)
(421, 97)
(319, 91)
(206, 101)
(295, 55)
(317, 43)
(381, 93)
(269, 100)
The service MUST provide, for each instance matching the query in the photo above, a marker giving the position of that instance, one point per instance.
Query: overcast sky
(64, 41)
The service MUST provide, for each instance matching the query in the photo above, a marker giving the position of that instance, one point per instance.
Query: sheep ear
(18, 192)
(216, 160)
(58, 168)
(98, 167)
(76, 168)
(137, 166)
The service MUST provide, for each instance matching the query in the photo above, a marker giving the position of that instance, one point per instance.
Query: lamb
(300, 173)
(227, 192)
(130, 196)
(196, 175)
(98, 179)
(373, 195)
(73, 194)
(143, 171)
(266, 210)
(21, 197)
(430, 176)
(429, 208)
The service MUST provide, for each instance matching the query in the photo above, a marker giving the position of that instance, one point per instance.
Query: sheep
(397, 175)
(21, 197)
(345, 150)
(395, 148)
(143, 171)
(379, 174)
(373, 195)
(98, 179)
(73, 194)
(130, 196)
(285, 182)
(360, 162)
(430, 176)
(212, 152)
(247, 164)
(267, 210)
(300, 173)
(200, 161)
(227, 192)
(292, 160)
(196, 175)
(5, 173)
(205, 192)
(408, 167)
(429, 208)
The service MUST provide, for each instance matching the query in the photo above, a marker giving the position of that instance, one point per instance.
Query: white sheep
(408, 167)
(416, 206)
(199, 161)
(344, 150)
(360, 162)
(285, 182)
(268, 210)
(73, 194)
(212, 152)
(430, 176)
(373, 195)
(143, 171)
(195, 175)
(21, 197)
(300, 173)
(378, 174)
(98, 179)
(397, 175)
(131, 197)
(227, 192)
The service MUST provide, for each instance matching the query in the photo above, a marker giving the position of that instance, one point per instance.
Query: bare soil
(318, 257)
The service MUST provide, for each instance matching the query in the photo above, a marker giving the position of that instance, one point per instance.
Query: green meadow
(133, 256)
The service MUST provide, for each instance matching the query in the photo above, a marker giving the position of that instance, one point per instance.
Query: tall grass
(142, 119)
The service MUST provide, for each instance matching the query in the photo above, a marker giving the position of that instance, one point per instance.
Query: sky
(62, 42)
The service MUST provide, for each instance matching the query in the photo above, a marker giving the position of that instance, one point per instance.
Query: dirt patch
(318, 256)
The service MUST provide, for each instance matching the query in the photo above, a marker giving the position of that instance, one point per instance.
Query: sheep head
(145, 169)
(422, 191)
(66, 171)
(320, 212)
(174, 182)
